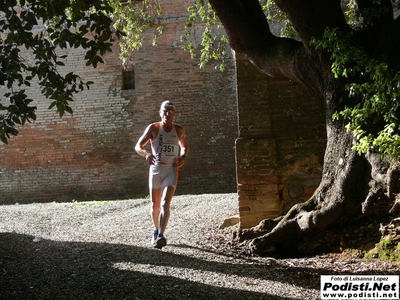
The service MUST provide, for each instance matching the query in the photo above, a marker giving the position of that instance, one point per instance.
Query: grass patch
(387, 249)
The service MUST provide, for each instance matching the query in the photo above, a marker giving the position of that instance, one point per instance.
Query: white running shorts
(162, 176)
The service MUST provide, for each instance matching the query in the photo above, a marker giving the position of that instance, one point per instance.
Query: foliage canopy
(372, 108)
(374, 120)
(42, 27)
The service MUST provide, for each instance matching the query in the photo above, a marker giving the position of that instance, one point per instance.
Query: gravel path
(101, 250)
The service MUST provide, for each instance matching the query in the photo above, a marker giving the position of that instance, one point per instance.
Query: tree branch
(245, 24)
(310, 18)
(249, 33)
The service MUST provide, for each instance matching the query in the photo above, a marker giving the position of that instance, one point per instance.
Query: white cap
(167, 105)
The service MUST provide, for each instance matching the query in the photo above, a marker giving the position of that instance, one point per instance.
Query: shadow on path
(70, 270)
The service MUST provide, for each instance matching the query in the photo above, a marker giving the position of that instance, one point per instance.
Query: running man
(169, 149)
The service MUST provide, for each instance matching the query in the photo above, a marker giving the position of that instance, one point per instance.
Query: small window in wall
(128, 77)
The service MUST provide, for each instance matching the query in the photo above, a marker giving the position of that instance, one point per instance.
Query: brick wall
(90, 155)
(272, 129)
(279, 151)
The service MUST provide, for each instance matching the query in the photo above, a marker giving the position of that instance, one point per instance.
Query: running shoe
(154, 237)
(161, 241)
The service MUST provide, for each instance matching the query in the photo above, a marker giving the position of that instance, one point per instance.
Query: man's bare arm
(184, 147)
(143, 140)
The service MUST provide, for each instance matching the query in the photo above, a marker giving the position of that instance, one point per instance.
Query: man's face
(167, 114)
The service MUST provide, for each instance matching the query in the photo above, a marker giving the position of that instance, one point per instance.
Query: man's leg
(155, 195)
(164, 216)
(165, 208)
(170, 181)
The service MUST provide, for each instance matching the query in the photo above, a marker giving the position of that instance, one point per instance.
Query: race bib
(169, 150)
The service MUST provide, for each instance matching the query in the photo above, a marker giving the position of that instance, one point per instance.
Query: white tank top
(165, 147)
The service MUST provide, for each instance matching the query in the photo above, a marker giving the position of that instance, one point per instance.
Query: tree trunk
(350, 188)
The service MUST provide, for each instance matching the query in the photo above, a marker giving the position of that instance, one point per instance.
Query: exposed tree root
(339, 201)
